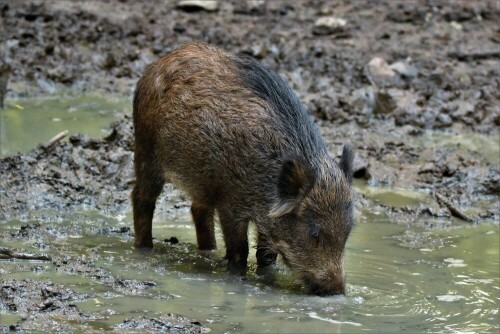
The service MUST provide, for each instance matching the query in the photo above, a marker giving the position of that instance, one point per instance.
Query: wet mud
(419, 63)
(97, 174)
(46, 306)
(40, 300)
(396, 68)
(53, 306)
(385, 79)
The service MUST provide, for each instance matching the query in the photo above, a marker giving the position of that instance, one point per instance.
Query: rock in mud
(250, 7)
(380, 73)
(380, 68)
(165, 323)
(257, 50)
(405, 70)
(363, 100)
(372, 100)
(46, 85)
(360, 168)
(43, 305)
(197, 5)
(428, 167)
(384, 103)
(328, 25)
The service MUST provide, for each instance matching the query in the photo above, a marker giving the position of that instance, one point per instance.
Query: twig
(55, 139)
(464, 56)
(453, 210)
(8, 253)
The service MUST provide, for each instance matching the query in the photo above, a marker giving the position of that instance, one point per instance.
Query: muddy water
(401, 277)
(24, 123)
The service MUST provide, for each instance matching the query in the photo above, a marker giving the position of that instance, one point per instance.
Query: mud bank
(45, 306)
(97, 174)
(42, 304)
(379, 79)
(420, 63)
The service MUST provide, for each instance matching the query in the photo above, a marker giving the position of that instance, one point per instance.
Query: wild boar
(235, 137)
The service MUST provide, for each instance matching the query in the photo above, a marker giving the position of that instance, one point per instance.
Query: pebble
(456, 26)
(428, 167)
(378, 67)
(47, 86)
(328, 25)
(361, 168)
(380, 73)
(384, 103)
(195, 5)
(404, 69)
(364, 99)
(258, 51)
(250, 7)
(377, 101)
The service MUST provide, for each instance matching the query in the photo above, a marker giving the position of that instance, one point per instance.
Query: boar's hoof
(267, 274)
(143, 244)
(237, 268)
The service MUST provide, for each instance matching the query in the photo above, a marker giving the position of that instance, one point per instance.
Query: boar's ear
(346, 162)
(294, 182)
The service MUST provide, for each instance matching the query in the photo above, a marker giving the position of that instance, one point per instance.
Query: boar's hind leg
(148, 186)
(236, 239)
(203, 216)
(265, 256)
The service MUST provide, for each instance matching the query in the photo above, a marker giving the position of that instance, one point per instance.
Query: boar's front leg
(235, 231)
(203, 216)
(265, 256)
(148, 186)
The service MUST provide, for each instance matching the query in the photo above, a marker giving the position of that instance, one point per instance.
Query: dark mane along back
(269, 86)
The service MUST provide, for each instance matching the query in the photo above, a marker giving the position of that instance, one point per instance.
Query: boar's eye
(313, 230)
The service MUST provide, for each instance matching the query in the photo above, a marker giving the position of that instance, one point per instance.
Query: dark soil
(44, 305)
(167, 323)
(42, 302)
(444, 76)
(98, 174)
(49, 307)
(452, 49)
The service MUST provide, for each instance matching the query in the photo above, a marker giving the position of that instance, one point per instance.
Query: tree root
(443, 202)
(9, 254)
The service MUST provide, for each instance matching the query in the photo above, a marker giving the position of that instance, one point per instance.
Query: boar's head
(312, 219)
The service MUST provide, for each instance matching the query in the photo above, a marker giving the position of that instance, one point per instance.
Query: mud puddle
(24, 123)
(400, 277)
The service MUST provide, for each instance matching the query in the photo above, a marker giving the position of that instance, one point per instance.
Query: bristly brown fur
(236, 138)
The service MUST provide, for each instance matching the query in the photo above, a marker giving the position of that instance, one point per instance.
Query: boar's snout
(332, 285)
